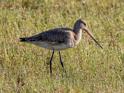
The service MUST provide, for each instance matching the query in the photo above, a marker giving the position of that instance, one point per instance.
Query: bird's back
(52, 35)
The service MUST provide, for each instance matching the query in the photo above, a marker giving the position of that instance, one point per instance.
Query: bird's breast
(78, 37)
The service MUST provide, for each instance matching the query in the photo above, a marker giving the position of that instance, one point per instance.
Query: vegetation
(24, 68)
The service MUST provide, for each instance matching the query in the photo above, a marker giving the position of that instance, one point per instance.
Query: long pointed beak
(91, 35)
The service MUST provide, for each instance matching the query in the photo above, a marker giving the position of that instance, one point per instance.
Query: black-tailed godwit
(60, 38)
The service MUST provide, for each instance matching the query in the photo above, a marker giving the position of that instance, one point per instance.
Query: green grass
(24, 67)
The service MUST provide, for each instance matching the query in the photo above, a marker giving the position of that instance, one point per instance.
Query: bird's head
(80, 24)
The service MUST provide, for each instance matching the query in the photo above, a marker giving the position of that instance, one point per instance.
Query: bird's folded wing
(52, 36)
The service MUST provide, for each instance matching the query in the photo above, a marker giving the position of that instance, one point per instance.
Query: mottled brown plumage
(60, 38)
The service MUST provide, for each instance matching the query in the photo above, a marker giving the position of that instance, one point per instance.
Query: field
(24, 68)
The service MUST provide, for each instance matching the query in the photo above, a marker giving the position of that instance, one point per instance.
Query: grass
(24, 67)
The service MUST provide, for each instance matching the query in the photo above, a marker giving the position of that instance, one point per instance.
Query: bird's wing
(58, 35)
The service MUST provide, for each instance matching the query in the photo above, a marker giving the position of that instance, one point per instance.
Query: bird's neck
(78, 35)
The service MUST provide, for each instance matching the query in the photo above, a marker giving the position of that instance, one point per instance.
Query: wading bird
(60, 39)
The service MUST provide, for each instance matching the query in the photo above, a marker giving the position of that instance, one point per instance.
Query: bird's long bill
(91, 35)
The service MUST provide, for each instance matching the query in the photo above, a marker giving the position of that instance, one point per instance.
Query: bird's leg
(61, 62)
(51, 62)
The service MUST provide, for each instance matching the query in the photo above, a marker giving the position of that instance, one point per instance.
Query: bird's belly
(55, 46)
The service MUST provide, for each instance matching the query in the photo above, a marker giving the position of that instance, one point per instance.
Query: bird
(60, 38)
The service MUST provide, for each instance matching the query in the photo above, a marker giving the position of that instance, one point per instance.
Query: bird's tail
(27, 39)
(23, 39)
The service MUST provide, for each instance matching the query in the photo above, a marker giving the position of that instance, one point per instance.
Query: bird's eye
(84, 23)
